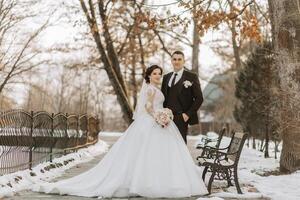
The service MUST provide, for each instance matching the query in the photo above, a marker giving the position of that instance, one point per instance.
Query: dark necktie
(173, 81)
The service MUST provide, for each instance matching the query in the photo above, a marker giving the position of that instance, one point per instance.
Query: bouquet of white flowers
(163, 116)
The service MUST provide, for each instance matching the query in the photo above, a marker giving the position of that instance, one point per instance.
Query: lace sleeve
(150, 99)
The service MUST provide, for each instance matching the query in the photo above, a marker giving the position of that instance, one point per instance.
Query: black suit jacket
(190, 98)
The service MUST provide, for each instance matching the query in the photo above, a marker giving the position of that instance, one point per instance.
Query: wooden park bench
(223, 163)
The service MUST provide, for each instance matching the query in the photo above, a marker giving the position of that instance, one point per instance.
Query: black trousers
(181, 125)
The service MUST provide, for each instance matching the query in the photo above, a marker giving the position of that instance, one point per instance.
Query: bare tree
(17, 55)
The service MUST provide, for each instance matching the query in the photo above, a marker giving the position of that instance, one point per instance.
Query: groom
(183, 95)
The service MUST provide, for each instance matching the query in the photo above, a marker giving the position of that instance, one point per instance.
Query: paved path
(28, 195)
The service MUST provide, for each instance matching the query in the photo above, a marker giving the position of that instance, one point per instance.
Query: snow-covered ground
(21, 180)
(252, 166)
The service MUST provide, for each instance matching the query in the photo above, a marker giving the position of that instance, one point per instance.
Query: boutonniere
(187, 84)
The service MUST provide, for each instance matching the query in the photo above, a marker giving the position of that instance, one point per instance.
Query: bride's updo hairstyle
(149, 71)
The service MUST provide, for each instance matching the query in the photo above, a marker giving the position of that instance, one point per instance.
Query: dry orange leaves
(246, 23)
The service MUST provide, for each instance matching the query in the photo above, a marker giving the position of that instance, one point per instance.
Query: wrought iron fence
(30, 138)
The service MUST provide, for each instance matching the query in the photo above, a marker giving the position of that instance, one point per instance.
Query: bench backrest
(221, 134)
(236, 146)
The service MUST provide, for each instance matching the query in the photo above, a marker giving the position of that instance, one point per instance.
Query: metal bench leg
(236, 181)
(228, 179)
(204, 173)
(210, 181)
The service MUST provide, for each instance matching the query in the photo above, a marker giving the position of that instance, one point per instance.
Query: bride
(148, 160)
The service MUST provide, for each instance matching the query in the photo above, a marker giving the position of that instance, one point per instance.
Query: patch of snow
(245, 195)
(212, 134)
(210, 198)
(22, 180)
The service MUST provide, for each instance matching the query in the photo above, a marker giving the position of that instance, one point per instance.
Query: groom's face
(177, 62)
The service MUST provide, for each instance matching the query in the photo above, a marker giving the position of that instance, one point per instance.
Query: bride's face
(155, 76)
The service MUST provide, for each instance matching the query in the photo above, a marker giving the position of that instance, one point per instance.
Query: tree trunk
(133, 70)
(261, 148)
(196, 42)
(286, 31)
(276, 148)
(236, 48)
(195, 55)
(248, 142)
(61, 91)
(87, 93)
(111, 53)
(267, 142)
(271, 18)
(195, 51)
(253, 143)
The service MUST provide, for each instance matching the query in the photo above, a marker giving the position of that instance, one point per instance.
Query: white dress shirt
(178, 77)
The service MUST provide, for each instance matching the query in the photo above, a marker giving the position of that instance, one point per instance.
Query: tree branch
(162, 42)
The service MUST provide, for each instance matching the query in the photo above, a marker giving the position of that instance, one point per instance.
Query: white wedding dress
(147, 160)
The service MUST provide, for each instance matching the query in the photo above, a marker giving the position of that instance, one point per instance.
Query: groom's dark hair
(178, 52)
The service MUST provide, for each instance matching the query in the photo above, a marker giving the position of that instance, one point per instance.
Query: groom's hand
(185, 117)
